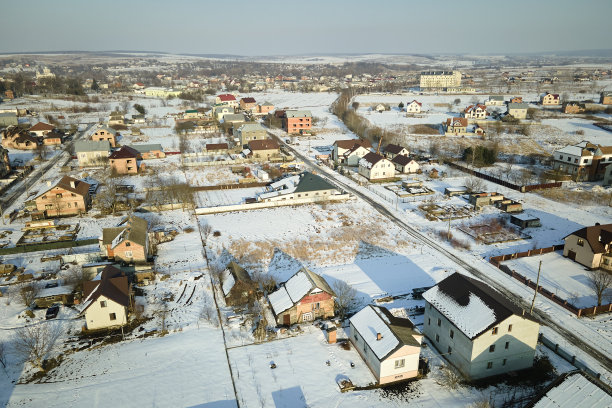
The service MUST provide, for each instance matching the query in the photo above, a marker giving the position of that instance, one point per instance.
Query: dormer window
(580, 242)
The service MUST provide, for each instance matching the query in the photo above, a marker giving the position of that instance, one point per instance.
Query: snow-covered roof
(298, 286)
(575, 390)
(280, 300)
(524, 217)
(571, 150)
(228, 282)
(369, 322)
(471, 305)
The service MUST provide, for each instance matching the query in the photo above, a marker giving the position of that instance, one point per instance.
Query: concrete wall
(98, 317)
(256, 206)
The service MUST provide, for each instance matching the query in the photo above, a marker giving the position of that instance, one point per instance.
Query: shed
(525, 220)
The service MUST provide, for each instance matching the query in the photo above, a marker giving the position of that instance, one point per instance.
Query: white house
(405, 164)
(495, 101)
(352, 156)
(392, 150)
(389, 345)
(302, 186)
(477, 111)
(107, 299)
(413, 107)
(340, 147)
(479, 331)
(373, 166)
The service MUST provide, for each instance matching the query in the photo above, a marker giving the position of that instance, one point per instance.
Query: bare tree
(3, 355)
(27, 293)
(346, 298)
(474, 184)
(77, 277)
(599, 281)
(34, 343)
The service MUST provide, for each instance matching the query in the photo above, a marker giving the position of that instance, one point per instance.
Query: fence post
(556, 347)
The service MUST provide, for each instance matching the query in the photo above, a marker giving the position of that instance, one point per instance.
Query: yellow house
(389, 345)
(590, 246)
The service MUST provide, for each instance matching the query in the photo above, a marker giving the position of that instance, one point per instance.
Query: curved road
(543, 317)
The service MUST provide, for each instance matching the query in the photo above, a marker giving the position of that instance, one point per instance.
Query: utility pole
(448, 233)
(536, 288)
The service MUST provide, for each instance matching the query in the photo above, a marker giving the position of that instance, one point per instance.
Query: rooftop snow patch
(368, 322)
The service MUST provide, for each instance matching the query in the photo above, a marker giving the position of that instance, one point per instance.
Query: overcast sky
(288, 27)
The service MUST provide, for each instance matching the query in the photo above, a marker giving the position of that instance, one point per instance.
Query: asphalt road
(483, 271)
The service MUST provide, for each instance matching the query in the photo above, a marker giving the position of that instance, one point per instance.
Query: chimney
(72, 184)
(378, 336)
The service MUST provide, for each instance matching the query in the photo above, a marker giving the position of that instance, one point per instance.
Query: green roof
(312, 182)
(91, 146)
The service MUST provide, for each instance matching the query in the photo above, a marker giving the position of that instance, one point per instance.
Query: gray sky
(290, 27)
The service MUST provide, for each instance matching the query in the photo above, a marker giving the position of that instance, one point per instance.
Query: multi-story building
(373, 166)
(477, 329)
(105, 133)
(251, 131)
(477, 111)
(297, 121)
(518, 110)
(551, 99)
(440, 79)
(68, 197)
(91, 153)
(584, 161)
(590, 246)
(127, 242)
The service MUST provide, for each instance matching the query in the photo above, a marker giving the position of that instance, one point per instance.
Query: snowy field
(562, 276)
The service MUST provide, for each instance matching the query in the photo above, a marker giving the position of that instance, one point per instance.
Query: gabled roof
(41, 126)
(264, 144)
(515, 105)
(370, 159)
(251, 127)
(145, 148)
(574, 389)
(248, 100)
(393, 148)
(299, 285)
(474, 107)
(457, 122)
(111, 283)
(471, 305)
(92, 146)
(80, 187)
(234, 117)
(354, 149)
(217, 146)
(348, 144)
(395, 332)
(402, 160)
(597, 236)
(132, 228)
(298, 114)
(415, 101)
(226, 97)
(125, 152)
(105, 128)
(235, 273)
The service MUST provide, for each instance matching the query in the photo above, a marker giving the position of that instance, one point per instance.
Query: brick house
(477, 111)
(590, 246)
(574, 107)
(551, 99)
(68, 197)
(226, 100)
(606, 98)
(105, 133)
(389, 345)
(53, 138)
(305, 297)
(247, 104)
(297, 121)
(124, 161)
(149, 151)
(41, 128)
(517, 99)
(264, 149)
(264, 108)
(127, 242)
(107, 299)
(477, 329)
(373, 166)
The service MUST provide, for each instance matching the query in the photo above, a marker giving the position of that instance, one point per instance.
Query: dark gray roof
(91, 146)
(312, 182)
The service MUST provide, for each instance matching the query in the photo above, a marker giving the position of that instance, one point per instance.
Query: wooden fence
(497, 260)
(492, 179)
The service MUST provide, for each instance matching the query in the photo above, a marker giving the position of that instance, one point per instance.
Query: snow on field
(180, 369)
(562, 276)
(212, 198)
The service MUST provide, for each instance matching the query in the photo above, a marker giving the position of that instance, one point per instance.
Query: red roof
(41, 126)
(126, 152)
(248, 100)
(226, 97)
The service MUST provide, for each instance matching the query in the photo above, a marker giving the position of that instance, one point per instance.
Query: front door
(571, 255)
(287, 319)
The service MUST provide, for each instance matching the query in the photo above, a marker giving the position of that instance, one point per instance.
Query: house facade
(455, 126)
(305, 297)
(219, 111)
(495, 100)
(226, 100)
(251, 131)
(475, 112)
(375, 167)
(104, 133)
(518, 110)
(340, 147)
(479, 331)
(107, 300)
(297, 121)
(68, 197)
(590, 246)
(606, 98)
(404, 164)
(40, 129)
(551, 99)
(90, 153)
(390, 346)
(264, 108)
(440, 79)
(393, 150)
(124, 161)
(127, 242)
(248, 104)
(53, 138)
(352, 156)
(584, 161)
(264, 149)
(413, 107)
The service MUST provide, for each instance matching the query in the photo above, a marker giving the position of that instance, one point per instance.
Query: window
(439, 322)
(112, 316)
(509, 328)
(437, 337)
(504, 362)
(400, 363)
(492, 348)
(58, 195)
(507, 345)
(494, 331)
(76, 204)
(580, 242)
(103, 303)
(452, 334)
(72, 194)
(489, 365)
(128, 254)
(355, 336)
(316, 306)
(48, 206)
(128, 244)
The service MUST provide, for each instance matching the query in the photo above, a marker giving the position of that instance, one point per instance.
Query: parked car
(52, 312)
